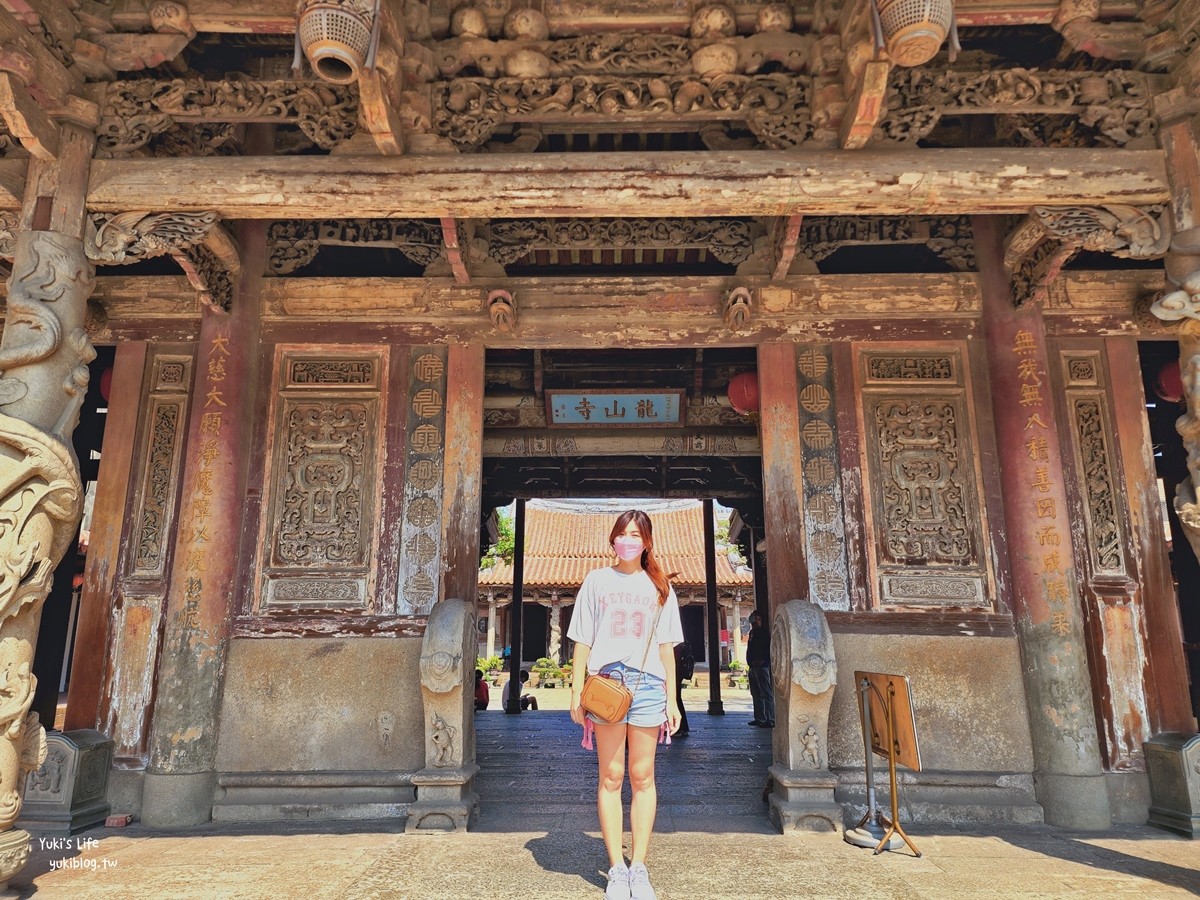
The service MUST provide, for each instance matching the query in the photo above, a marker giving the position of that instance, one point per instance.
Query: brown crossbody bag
(609, 699)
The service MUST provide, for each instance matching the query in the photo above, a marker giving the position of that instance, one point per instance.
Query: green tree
(505, 543)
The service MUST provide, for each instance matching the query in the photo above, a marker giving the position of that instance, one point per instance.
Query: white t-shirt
(614, 612)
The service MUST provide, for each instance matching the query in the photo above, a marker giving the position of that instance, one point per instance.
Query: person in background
(482, 695)
(528, 701)
(685, 668)
(758, 658)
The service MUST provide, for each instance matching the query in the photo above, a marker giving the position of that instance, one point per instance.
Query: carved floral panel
(922, 482)
(320, 522)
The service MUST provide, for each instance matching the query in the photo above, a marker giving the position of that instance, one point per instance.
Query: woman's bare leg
(642, 744)
(610, 751)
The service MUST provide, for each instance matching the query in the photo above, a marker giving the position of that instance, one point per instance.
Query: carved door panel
(922, 479)
(1113, 605)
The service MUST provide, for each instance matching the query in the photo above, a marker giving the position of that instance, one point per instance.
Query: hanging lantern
(106, 383)
(743, 392)
(1169, 383)
(336, 37)
(914, 30)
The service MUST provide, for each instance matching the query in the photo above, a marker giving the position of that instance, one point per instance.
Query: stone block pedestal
(69, 792)
(803, 801)
(1173, 764)
(445, 801)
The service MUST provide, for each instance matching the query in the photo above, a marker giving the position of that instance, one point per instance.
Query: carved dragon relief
(44, 354)
(132, 112)
(1045, 241)
(1183, 305)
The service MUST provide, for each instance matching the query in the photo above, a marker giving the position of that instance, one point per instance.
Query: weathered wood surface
(279, 16)
(783, 488)
(715, 183)
(461, 486)
(104, 551)
(1166, 684)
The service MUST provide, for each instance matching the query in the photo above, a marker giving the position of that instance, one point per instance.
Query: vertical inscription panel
(160, 446)
(922, 480)
(421, 514)
(824, 518)
(324, 481)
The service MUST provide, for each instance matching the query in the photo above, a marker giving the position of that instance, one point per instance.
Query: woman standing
(625, 625)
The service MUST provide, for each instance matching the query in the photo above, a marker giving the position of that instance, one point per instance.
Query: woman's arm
(666, 652)
(578, 676)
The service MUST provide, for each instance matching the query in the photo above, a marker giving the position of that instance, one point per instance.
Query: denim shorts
(649, 706)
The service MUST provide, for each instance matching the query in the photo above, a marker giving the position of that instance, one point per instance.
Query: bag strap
(649, 640)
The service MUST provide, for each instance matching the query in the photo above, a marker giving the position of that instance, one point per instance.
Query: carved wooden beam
(126, 52)
(948, 182)
(26, 120)
(866, 105)
(279, 16)
(786, 238)
(48, 80)
(1045, 241)
(454, 250)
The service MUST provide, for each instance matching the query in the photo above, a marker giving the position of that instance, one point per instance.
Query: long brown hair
(661, 582)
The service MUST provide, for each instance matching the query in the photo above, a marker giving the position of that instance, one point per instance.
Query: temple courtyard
(537, 836)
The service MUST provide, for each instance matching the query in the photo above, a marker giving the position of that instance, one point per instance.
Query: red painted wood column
(88, 665)
(463, 471)
(783, 488)
(180, 777)
(1045, 596)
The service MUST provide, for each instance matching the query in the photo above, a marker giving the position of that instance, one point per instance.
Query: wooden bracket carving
(171, 17)
(454, 250)
(1045, 241)
(737, 309)
(502, 308)
(787, 238)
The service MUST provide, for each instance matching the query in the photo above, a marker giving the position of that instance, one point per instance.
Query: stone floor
(538, 837)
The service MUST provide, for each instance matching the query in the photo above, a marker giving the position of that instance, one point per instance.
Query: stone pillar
(555, 651)
(43, 378)
(804, 672)
(445, 798)
(716, 706)
(491, 632)
(739, 649)
(180, 776)
(1044, 591)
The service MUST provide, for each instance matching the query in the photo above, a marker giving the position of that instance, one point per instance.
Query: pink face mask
(628, 548)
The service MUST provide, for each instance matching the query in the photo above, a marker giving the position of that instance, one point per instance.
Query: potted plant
(737, 673)
(547, 672)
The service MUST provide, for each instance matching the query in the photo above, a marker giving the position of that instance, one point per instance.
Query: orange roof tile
(563, 544)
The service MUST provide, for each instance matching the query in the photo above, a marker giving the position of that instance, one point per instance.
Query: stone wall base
(951, 797)
(1128, 797)
(177, 801)
(319, 796)
(125, 788)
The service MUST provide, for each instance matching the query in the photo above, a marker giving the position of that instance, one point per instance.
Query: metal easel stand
(875, 829)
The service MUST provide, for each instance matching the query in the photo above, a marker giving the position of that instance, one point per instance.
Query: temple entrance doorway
(572, 438)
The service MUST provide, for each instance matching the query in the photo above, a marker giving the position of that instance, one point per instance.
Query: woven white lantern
(914, 30)
(336, 38)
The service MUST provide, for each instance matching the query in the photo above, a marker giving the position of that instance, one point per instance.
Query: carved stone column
(1044, 589)
(491, 632)
(445, 798)
(739, 649)
(805, 675)
(555, 627)
(43, 378)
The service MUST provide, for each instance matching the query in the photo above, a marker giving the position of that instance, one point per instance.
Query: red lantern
(1169, 383)
(105, 383)
(743, 392)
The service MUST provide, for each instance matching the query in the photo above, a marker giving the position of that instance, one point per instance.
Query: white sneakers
(629, 883)
(639, 883)
(618, 883)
